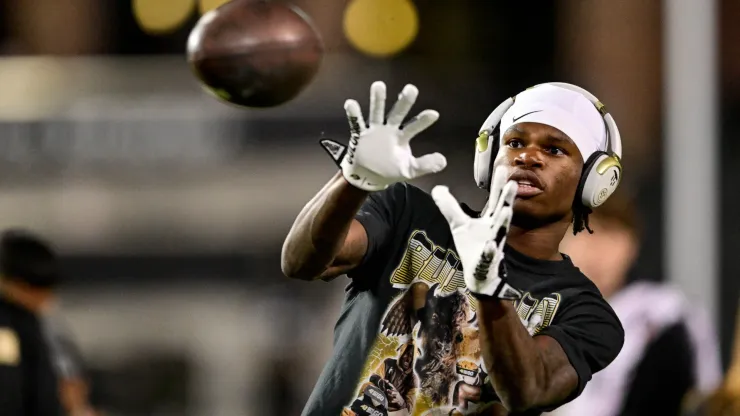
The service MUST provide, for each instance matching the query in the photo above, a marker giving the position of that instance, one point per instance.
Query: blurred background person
(670, 347)
(28, 379)
(74, 383)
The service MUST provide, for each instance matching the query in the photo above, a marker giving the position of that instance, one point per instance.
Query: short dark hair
(26, 257)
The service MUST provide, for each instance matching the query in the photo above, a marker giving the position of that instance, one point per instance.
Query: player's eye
(515, 143)
(555, 151)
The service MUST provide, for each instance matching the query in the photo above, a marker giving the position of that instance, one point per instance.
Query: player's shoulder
(554, 275)
(583, 291)
(407, 189)
(578, 280)
(568, 280)
(577, 276)
(578, 292)
(404, 194)
(421, 206)
(412, 208)
(416, 194)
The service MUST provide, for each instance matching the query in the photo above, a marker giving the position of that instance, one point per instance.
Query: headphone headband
(613, 139)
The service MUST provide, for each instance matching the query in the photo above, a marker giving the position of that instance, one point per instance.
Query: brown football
(255, 53)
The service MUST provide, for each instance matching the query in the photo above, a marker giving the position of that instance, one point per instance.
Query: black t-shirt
(406, 341)
(28, 382)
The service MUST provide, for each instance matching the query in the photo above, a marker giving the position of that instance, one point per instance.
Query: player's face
(547, 165)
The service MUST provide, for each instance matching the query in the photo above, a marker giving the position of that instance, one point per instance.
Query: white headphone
(602, 172)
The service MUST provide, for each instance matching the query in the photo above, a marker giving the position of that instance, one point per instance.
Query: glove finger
(401, 108)
(424, 165)
(509, 193)
(483, 268)
(377, 103)
(354, 117)
(506, 199)
(501, 226)
(418, 124)
(489, 250)
(500, 175)
(449, 206)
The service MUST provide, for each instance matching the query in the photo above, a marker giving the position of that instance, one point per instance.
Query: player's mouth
(527, 190)
(529, 184)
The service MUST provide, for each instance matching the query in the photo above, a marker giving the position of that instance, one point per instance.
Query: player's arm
(325, 240)
(553, 367)
(527, 372)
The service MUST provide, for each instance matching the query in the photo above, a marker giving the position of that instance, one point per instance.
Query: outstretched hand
(480, 241)
(379, 153)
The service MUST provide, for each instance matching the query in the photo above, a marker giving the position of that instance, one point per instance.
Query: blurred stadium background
(170, 208)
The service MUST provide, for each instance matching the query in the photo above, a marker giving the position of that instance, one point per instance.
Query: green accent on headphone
(481, 143)
(222, 93)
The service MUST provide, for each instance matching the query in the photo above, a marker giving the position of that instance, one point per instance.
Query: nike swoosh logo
(531, 112)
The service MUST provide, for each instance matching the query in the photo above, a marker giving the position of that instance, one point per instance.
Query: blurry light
(33, 87)
(208, 5)
(162, 16)
(381, 28)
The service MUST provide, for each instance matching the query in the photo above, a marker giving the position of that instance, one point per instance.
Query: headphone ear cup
(485, 155)
(487, 145)
(480, 163)
(484, 151)
(495, 146)
(601, 177)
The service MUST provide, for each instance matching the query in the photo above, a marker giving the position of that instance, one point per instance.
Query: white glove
(379, 154)
(480, 241)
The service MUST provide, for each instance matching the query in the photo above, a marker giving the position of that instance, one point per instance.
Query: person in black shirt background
(499, 320)
(28, 380)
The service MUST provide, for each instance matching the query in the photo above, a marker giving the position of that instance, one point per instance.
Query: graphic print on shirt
(426, 359)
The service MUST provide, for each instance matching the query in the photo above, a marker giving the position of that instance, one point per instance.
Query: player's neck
(32, 299)
(541, 243)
